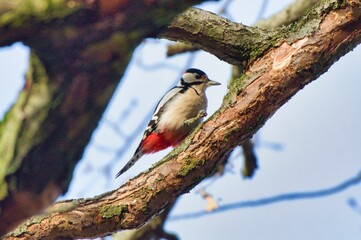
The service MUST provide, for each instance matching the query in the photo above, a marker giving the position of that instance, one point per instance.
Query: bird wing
(152, 125)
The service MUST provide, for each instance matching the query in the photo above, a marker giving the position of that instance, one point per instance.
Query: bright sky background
(318, 130)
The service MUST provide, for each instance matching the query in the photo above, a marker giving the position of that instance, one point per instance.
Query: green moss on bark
(189, 165)
(23, 121)
(20, 12)
(110, 211)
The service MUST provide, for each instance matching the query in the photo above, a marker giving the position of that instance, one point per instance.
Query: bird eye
(197, 76)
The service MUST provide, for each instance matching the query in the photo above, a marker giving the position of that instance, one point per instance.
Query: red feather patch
(159, 141)
(154, 143)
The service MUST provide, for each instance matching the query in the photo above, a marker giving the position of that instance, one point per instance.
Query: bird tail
(130, 163)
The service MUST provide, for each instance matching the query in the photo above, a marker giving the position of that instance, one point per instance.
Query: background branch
(288, 15)
(270, 82)
(205, 30)
(68, 86)
(296, 196)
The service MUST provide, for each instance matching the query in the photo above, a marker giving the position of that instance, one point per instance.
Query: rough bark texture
(151, 231)
(313, 44)
(80, 50)
(288, 15)
(234, 43)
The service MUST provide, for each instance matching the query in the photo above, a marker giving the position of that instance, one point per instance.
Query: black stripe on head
(187, 85)
(195, 70)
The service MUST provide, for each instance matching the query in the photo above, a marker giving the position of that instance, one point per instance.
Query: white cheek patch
(189, 77)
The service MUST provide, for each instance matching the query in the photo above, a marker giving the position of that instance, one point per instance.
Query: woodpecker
(180, 110)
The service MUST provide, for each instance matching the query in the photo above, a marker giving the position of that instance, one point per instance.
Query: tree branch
(294, 196)
(206, 30)
(152, 230)
(288, 15)
(80, 50)
(250, 159)
(267, 84)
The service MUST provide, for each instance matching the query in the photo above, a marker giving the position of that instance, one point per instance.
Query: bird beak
(212, 83)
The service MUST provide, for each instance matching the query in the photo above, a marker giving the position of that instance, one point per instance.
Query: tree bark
(79, 51)
(288, 15)
(232, 42)
(302, 52)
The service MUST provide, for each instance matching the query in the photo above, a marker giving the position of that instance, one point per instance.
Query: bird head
(194, 77)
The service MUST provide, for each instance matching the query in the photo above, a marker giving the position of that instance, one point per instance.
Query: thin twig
(274, 199)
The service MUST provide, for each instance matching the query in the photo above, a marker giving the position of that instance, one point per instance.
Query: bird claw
(201, 114)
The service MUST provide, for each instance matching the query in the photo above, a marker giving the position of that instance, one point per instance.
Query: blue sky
(318, 130)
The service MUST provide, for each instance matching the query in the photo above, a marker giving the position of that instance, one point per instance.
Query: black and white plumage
(176, 115)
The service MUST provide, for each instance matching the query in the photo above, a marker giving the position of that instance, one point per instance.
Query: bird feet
(201, 114)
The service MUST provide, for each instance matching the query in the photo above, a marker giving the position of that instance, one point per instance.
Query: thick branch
(154, 229)
(271, 81)
(24, 19)
(232, 42)
(21, 19)
(78, 57)
(288, 15)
